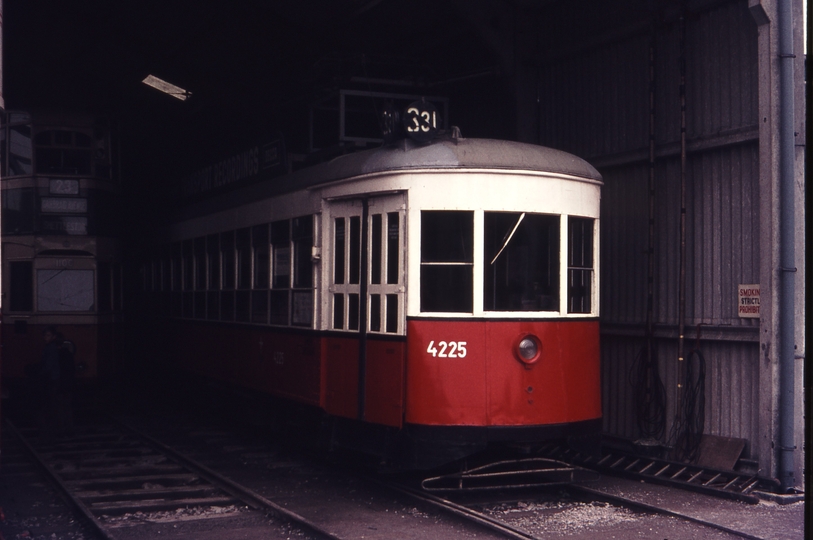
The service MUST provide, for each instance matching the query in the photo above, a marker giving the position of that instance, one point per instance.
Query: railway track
(123, 480)
(471, 496)
(118, 478)
(591, 498)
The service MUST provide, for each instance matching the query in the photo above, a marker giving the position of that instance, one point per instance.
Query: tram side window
(521, 262)
(228, 268)
(213, 277)
(188, 277)
(176, 258)
(302, 294)
(579, 264)
(281, 271)
(18, 211)
(20, 152)
(243, 295)
(21, 286)
(291, 296)
(262, 273)
(200, 278)
(447, 239)
(165, 296)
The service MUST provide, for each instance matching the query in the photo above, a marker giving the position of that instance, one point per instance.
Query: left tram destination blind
(71, 225)
(74, 205)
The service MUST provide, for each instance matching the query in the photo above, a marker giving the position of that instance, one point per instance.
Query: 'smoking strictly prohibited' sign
(748, 301)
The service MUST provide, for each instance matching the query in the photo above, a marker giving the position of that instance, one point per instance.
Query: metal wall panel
(722, 235)
(721, 70)
(731, 386)
(595, 103)
(624, 241)
(617, 362)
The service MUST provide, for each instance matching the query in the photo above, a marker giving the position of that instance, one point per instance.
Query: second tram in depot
(429, 299)
(61, 254)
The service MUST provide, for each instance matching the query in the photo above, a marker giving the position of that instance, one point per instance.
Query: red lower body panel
(95, 348)
(449, 389)
(303, 366)
(466, 373)
(447, 373)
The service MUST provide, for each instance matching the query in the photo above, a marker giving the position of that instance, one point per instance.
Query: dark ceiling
(253, 67)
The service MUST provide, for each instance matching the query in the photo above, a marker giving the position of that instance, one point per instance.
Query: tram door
(366, 300)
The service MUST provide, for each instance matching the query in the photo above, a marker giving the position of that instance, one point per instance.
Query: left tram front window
(64, 290)
(447, 239)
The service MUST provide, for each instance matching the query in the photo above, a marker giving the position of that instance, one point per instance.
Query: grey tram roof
(462, 154)
(406, 155)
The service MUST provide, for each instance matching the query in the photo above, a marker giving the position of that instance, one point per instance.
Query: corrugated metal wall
(595, 103)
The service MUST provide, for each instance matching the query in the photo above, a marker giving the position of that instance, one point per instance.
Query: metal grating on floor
(725, 483)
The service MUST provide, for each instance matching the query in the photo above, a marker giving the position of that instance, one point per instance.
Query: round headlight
(527, 349)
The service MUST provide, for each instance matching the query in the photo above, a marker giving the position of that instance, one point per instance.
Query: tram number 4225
(447, 349)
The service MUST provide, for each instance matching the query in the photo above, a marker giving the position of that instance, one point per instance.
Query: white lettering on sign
(748, 301)
(53, 204)
(233, 169)
(447, 349)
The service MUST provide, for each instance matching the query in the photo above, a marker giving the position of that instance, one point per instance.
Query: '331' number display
(421, 120)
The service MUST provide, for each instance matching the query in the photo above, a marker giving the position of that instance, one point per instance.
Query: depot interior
(603, 80)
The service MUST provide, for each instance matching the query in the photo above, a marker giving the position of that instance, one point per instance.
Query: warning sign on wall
(748, 301)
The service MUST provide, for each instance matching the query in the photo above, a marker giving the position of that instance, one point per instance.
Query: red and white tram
(428, 299)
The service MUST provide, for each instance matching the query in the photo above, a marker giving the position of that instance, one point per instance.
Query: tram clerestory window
(447, 239)
(579, 265)
(521, 262)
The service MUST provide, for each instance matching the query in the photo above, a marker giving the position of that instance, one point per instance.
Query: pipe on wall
(787, 263)
(682, 264)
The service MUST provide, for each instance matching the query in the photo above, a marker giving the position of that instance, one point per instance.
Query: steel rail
(512, 532)
(250, 497)
(243, 494)
(77, 504)
(459, 510)
(623, 501)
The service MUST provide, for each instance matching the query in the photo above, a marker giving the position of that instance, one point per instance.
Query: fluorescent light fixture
(166, 87)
